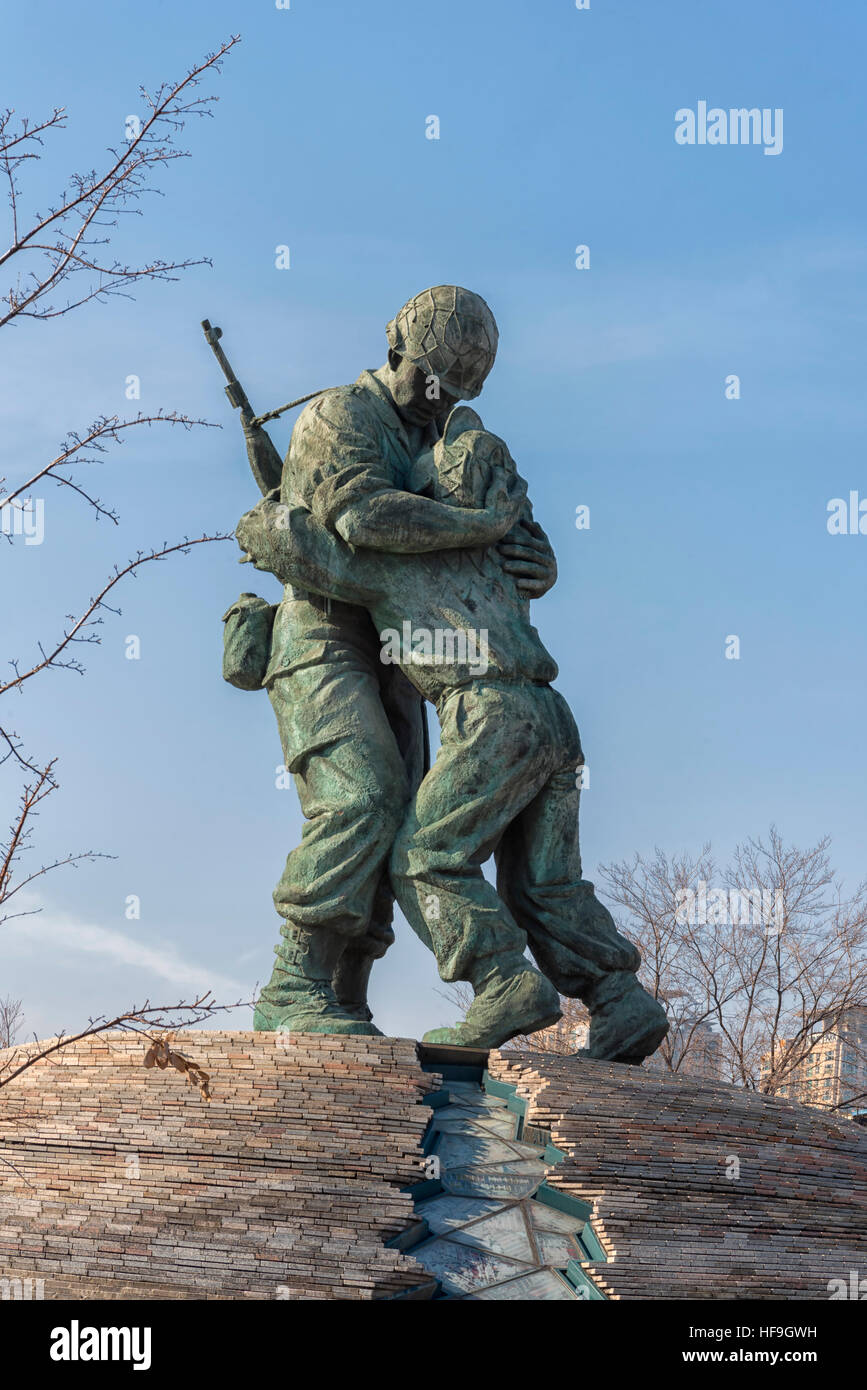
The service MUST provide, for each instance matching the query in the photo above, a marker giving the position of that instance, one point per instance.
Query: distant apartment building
(834, 1074)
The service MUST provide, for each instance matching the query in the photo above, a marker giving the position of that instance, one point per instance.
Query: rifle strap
(272, 414)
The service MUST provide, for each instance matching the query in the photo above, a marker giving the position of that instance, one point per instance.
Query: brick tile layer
(285, 1185)
(700, 1189)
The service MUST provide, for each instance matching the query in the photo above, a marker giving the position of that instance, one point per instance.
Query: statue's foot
(352, 973)
(512, 999)
(626, 1023)
(299, 997)
(312, 1016)
(362, 1013)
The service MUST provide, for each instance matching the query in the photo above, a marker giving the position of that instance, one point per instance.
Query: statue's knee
(382, 810)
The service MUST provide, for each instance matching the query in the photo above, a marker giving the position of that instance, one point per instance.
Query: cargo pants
(504, 783)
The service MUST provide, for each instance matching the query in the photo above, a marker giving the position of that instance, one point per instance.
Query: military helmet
(450, 333)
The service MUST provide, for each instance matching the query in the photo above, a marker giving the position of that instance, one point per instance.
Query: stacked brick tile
(286, 1185)
(700, 1190)
(127, 1184)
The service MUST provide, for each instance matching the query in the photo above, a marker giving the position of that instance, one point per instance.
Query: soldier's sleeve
(335, 457)
(519, 488)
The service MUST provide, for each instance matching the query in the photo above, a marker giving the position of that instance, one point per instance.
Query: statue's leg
(404, 710)
(351, 974)
(353, 790)
(491, 761)
(572, 935)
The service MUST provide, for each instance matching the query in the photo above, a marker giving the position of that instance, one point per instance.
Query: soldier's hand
(527, 555)
(251, 532)
(502, 503)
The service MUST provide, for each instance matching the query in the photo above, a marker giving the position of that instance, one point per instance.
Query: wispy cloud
(64, 934)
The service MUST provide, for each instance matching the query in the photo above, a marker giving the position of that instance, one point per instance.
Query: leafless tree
(770, 956)
(57, 261)
(11, 1019)
(65, 248)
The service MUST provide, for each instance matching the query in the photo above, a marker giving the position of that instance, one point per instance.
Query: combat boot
(510, 998)
(626, 1023)
(299, 997)
(352, 972)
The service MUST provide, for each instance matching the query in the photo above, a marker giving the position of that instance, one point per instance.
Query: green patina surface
(406, 541)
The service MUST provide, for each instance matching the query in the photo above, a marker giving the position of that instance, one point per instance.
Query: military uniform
(504, 780)
(353, 731)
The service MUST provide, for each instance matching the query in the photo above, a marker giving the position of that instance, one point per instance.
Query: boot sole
(350, 1027)
(459, 1038)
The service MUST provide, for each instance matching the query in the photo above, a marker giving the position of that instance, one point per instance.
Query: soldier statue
(398, 513)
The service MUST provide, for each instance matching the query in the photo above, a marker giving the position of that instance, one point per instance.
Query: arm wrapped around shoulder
(291, 544)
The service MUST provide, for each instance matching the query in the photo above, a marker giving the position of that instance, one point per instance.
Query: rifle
(265, 462)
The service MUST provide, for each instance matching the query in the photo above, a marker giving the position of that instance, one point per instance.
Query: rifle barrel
(235, 391)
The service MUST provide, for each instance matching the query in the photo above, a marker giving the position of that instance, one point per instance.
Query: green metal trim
(436, 1098)
(576, 1276)
(453, 1071)
(428, 1187)
(562, 1201)
(589, 1243)
(552, 1154)
(501, 1089)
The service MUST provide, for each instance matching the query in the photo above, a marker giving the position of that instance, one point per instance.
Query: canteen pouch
(247, 641)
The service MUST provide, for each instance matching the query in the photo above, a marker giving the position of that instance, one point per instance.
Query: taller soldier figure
(353, 729)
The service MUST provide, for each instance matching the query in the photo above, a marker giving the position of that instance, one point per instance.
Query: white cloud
(60, 932)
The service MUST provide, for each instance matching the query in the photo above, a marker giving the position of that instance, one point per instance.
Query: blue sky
(708, 515)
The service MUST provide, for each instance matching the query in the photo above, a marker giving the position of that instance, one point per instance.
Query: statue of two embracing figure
(405, 539)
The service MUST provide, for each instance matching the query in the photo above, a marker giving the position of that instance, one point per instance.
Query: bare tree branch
(147, 1019)
(773, 958)
(86, 620)
(64, 241)
(65, 247)
(10, 1020)
(104, 431)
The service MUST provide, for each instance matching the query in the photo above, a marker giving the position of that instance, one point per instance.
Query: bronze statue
(407, 544)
